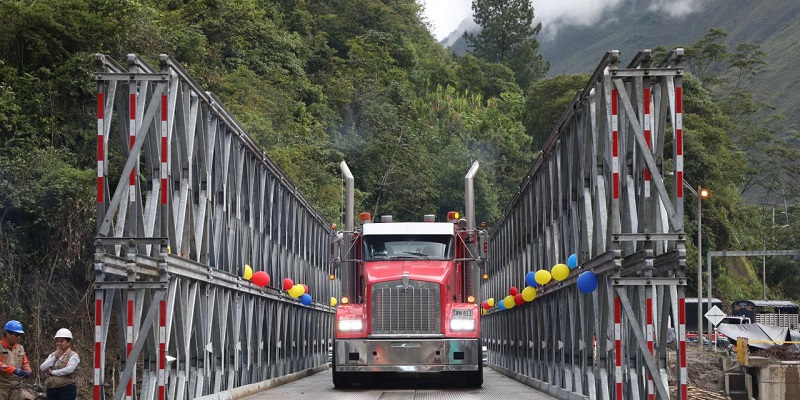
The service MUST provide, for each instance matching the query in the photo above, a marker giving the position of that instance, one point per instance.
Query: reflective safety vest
(53, 382)
(13, 357)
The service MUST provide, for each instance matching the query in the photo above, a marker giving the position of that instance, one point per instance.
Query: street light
(701, 193)
(764, 257)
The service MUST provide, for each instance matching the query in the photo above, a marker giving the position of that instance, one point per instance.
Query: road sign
(715, 315)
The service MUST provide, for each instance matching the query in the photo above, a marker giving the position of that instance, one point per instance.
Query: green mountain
(774, 25)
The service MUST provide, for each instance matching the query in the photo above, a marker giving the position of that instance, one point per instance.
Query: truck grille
(414, 308)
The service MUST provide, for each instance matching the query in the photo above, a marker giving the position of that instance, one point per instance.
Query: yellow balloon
(297, 291)
(248, 272)
(542, 276)
(529, 293)
(483, 312)
(560, 272)
(508, 302)
(490, 301)
(333, 301)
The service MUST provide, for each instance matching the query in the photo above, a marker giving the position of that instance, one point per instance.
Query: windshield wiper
(414, 253)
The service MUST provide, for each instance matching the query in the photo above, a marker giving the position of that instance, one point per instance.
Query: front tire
(474, 379)
(342, 380)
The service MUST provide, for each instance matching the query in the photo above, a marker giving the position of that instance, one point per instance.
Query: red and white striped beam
(679, 139)
(132, 140)
(683, 371)
(100, 145)
(129, 343)
(162, 349)
(651, 395)
(615, 143)
(164, 150)
(98, 338)
(647, 138)
(617, 349)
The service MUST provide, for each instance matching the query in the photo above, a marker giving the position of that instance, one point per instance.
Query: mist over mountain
(574, 39)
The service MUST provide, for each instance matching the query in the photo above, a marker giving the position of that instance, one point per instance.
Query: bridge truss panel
(599, 191)
(185, 200)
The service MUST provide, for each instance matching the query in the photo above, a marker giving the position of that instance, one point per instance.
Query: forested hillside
(315, 83)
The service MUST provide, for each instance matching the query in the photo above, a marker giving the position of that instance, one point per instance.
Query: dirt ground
(704, 368)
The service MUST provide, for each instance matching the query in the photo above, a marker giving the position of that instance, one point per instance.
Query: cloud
(446, 15)
(676, 8)
(557, 15)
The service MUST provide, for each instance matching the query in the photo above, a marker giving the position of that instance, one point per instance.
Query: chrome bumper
(411, 355)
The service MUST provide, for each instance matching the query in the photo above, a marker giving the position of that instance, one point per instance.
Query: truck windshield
(404, 247)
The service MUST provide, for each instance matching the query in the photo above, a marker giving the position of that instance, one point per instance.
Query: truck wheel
(474, 379)
(341, 380)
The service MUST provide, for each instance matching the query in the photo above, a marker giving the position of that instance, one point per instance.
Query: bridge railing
(606, 188)
(186, 204)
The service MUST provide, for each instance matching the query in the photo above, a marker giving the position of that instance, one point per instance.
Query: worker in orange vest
(14, 364)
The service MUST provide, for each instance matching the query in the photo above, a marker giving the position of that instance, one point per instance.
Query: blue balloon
(587, 282)
(530, 279)
(500, 305)
(572, 261)
(306, 299)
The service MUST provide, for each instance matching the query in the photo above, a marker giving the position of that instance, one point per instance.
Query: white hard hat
(63, 333)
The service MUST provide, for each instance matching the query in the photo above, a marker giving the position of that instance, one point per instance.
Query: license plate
(462, 313)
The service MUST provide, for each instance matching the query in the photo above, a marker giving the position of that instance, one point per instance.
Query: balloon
(560, 272)
(572, 261)
(260, 279)
(508, 302)
(542, 276)
(529, 293)
(296, 291)
(518, 300)
(513, 291)
(483, 312)
(305, 288)
(500, 306)
(485, 305)
(333, 301)
(248, 272)
(305, 299)
(490, 301)
(587, 282)
(287, 284)
(530, 279)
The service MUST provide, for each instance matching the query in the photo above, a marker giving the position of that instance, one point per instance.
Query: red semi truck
(410, 293)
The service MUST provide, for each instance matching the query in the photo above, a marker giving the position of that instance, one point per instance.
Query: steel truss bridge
(186, 200)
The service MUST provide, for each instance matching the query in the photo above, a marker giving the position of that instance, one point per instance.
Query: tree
(507, 37)
(762, 135)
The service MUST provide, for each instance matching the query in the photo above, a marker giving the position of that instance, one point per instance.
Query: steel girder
(598, 190)
(194, 200)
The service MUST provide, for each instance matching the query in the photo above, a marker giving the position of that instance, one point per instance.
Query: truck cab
(409, 306)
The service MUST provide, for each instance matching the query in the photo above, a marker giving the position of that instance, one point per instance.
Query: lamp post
(764, 257)
(701, 193)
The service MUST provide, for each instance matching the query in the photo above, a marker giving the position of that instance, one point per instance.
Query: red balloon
(305, 287)
(513, 291)
(260, 278)
(485, 305)
(518, 300)
(287, 284)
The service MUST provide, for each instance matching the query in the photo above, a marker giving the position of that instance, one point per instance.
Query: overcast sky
(446, 15)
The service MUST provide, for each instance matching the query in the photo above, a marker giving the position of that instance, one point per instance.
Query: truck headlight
(351, 325)
(462, 325)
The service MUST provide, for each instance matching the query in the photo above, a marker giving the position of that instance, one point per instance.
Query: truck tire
(341, 380)
(474, 379)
